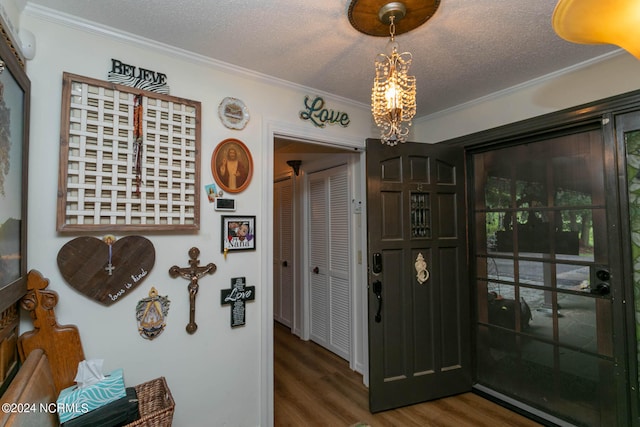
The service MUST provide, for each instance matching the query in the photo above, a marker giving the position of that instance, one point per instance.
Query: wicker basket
(155, 404)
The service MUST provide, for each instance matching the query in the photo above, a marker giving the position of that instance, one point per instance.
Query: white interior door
(283, 259)
(329, 260)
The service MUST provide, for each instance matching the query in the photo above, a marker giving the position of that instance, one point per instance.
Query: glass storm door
(547, 278)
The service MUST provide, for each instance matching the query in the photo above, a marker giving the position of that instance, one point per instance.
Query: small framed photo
(238, 233)
(212, 192)
(232, 165)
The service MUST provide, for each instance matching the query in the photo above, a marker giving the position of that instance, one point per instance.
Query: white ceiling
(468, 49)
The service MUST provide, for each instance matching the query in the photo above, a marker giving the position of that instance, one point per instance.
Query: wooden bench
(30, 399)
(50, 354)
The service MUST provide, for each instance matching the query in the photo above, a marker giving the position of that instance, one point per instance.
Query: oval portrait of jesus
(232, 165)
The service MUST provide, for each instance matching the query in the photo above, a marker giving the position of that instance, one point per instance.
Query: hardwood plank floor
(314, 387)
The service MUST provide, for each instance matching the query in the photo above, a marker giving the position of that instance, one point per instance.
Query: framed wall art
(15, 90)
(129, 159)
(238, 233)
(233, 113)
(232, 165)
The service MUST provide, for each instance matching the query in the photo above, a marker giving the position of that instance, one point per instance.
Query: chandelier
(393, 97)
(598, 22)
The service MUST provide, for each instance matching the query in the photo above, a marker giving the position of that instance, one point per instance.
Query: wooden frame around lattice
(101, 185)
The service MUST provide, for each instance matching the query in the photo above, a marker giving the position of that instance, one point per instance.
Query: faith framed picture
(238, 233)
(232, 165)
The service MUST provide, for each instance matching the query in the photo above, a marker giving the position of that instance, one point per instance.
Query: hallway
(314, 387)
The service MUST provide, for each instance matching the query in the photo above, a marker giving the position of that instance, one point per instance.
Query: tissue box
(74, 401)
(117, 413)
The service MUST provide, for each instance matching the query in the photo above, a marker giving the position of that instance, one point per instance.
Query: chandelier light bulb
(391, 95)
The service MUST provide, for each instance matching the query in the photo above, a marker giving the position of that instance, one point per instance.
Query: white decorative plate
(233, 113)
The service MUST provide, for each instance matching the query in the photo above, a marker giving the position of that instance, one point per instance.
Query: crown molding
(519, 87)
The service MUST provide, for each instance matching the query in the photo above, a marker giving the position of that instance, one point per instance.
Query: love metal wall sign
(315, 112)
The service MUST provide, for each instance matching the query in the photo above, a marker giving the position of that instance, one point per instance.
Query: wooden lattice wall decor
(102, 187)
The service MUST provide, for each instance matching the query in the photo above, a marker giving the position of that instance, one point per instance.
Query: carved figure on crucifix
(192, 273)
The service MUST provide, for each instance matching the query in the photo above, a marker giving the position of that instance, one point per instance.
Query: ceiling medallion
(370, 16)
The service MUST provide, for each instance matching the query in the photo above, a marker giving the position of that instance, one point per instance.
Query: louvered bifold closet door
(283, 259)
(330, 296)
(339, 291)
(318, 289)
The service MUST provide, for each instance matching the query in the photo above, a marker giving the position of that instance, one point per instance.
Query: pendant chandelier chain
(392, 27)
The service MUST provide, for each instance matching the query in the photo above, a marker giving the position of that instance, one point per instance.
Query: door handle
(285, 264)
(601, 281)
(377, 290)
(316, 270)
(602, 289)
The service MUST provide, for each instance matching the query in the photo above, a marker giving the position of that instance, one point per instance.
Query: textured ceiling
(468, 49)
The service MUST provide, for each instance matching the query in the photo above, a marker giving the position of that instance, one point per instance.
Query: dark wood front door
(419, 326)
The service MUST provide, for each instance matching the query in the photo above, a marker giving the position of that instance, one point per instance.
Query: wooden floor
(314, 387)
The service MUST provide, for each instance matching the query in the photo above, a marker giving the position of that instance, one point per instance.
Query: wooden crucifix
(192, 273)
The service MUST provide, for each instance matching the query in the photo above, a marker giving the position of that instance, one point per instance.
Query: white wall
(607, 76)
(218, 376)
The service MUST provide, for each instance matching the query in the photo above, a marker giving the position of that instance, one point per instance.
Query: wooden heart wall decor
(106, 273)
